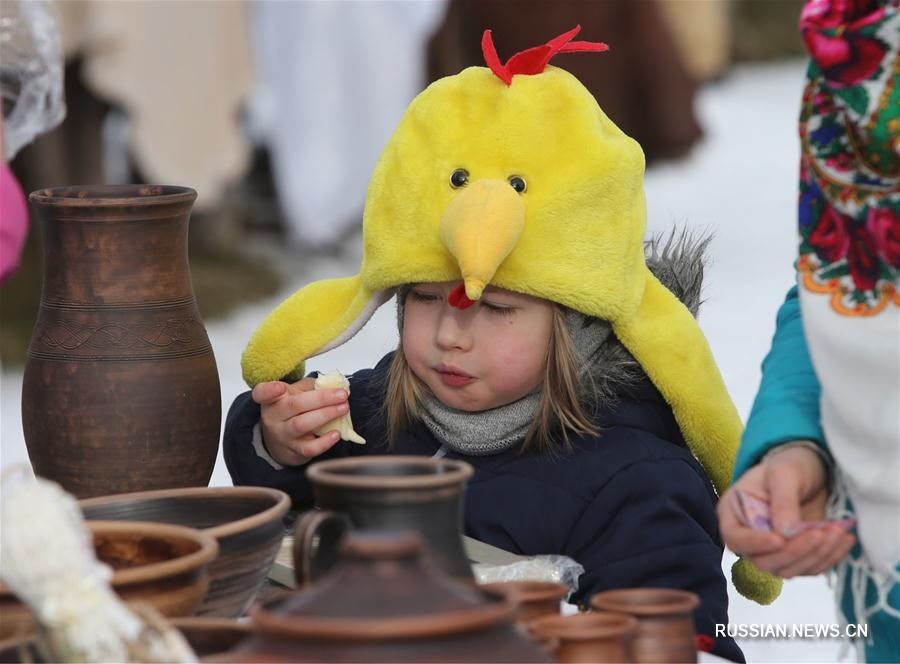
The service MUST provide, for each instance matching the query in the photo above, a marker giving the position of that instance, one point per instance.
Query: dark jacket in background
(640, 83)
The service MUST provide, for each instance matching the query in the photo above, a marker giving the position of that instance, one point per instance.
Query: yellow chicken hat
(513, 175)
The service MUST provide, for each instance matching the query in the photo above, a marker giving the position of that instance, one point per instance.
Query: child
(507, 214)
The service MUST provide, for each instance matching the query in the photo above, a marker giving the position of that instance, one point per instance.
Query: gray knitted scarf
(604, 363)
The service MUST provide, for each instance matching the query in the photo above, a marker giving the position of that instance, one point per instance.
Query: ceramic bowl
(246, 522)
(162, 565)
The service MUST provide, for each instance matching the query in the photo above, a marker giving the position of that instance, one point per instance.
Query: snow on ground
(740, 183)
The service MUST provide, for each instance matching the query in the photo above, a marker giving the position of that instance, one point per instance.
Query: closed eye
(499, 309)
(420, 296)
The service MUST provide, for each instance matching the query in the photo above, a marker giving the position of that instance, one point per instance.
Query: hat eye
(517, 183)
(459, 178)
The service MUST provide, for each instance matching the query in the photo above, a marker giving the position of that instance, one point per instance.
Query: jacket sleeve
(787, 404)
(248, 468)
(653, 524)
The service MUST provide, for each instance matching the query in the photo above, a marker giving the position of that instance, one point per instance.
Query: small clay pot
(246, 522)
(587, 637)
(158, 564)
(535, 598)
(665, 621)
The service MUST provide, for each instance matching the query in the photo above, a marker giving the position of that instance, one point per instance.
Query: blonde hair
(560, 411)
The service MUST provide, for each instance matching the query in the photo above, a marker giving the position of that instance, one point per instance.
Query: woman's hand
(290, 413)
(793, 482)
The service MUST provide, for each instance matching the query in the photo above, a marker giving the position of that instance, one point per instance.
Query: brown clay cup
(535, 598)
(587, 637)
(245, 521)
(665, 621)
(158, 564)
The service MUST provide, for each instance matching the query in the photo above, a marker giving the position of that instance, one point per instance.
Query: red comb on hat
(534, 60)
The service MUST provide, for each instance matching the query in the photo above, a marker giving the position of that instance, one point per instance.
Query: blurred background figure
(31, 83)
(643, 65)
(335, 79)
(156, 93)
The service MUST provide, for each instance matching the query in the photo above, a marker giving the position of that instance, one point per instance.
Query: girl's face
(486, 356)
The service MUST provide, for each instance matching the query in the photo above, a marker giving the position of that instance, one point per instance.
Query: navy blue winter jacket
(631, 504)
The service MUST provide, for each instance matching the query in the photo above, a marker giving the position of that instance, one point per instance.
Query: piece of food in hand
(331, 381)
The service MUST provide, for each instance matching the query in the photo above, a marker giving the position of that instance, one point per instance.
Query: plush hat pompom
(762, 587)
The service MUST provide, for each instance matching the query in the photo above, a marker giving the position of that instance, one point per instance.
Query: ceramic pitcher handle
(316, 537)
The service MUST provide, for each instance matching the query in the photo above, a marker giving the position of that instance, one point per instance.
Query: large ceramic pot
(386, 602)
(121, 391)
(665, 621)
(384, 493)
(246, 522)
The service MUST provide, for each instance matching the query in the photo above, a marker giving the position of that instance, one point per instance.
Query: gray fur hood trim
(678, 260)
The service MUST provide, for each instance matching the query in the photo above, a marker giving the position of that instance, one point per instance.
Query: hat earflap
(315, 319)
(669, 345)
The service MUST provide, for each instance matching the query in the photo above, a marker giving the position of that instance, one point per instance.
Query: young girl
(507, 215)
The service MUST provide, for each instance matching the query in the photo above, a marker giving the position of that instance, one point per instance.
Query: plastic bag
(31, 72)
(559, 569)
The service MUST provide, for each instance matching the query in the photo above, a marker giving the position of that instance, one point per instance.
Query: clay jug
(121, 391)
(376, 493)
(665, 618)
(386, 602)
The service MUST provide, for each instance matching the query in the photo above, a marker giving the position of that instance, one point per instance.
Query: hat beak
(480, 226)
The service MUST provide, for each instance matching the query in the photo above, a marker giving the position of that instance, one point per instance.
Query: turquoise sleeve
(787, 404)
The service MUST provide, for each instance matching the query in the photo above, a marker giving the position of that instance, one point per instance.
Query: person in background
(32, 94)
(13, 217)
(822, 443)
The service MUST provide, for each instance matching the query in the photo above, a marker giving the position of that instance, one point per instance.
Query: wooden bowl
(246, 521)
(162, 565)
(208, 637)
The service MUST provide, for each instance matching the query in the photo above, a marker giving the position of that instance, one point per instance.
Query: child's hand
(793, 482)
(290, 413)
